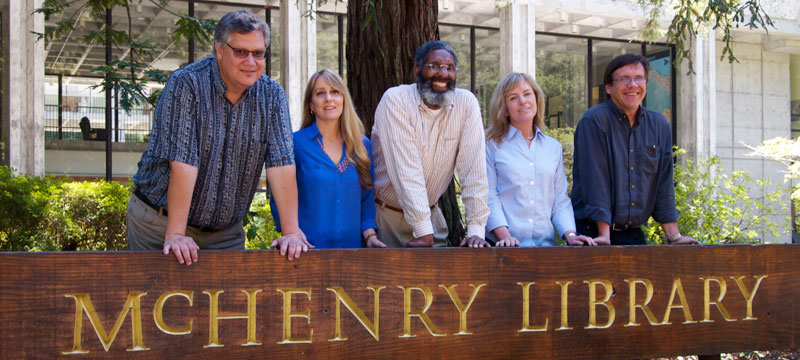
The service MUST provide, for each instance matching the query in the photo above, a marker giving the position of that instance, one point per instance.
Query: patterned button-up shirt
(229, 143)
(415, 153)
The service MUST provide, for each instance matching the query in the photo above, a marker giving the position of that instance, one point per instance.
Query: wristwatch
(674, 237)
(568, 234)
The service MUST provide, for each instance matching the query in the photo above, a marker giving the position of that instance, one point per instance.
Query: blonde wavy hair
(498, 112)
(349, 124)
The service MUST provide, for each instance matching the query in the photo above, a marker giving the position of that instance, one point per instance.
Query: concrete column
(518, 37)
(23, 86)
(697, 120)
(298, 52)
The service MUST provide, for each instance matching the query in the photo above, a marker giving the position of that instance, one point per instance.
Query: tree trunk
(382, 37)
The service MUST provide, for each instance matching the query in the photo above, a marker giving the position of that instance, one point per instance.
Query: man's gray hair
(240, 21)
(424, 49)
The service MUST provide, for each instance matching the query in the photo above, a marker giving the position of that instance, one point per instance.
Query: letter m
(84, 304)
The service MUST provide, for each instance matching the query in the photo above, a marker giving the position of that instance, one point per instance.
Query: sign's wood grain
(42, 293)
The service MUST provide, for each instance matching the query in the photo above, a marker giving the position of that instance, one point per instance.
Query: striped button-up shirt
(416, 152)
(229, 143)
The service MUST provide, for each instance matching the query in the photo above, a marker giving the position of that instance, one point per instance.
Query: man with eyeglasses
(424, 132)
(216, 124)
(622, 169)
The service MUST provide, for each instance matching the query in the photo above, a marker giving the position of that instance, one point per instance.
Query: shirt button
(633, 204)
(633, 186)
(531, 201)
(530, 220)
(630, 222)
(531, 164)
(631, 149)
(631, 168)
(531, 182)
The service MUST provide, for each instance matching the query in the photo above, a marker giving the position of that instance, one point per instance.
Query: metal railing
(64, 123)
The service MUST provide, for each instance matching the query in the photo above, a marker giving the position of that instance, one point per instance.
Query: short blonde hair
(498, 112)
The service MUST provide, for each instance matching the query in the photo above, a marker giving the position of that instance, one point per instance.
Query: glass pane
(487, 69)
(602, 54)
(561, 72)
(458, 37)
(659, 83)
(794, 73)
(327, 42)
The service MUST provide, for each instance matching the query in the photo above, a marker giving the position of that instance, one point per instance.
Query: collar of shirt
(512, 131)
(620, 115)
(312, 131)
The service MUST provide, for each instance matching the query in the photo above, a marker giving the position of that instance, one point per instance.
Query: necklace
(341, 167)
(530, 138)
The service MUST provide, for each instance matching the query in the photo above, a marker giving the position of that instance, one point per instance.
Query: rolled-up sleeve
(591, 154)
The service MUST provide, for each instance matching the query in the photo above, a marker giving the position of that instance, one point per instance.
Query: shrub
(23, 202)
(258, 224)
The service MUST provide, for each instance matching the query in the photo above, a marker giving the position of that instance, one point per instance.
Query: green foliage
(566, 136)
(259, 226)
(786, 152)
(720, 208)
(695, 17)
(129, 77)
(48, 214)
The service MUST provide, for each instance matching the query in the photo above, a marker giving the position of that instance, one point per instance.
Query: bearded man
(424, 132)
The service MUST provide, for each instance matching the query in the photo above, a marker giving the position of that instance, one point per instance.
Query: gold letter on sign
(407, 314)
(632, 305)
(749, 296)
(564, 303)
(288, 315)
(84, 303)
(526, 310)
(213, 317)
(158, 312)
(342, 297)
(678, 288)
(723, 286)
(462, 310)
(605, 302)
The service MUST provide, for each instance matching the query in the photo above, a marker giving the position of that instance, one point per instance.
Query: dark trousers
(629, 236)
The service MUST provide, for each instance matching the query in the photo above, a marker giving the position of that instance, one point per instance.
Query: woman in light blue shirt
(527, 183)
(336, 202)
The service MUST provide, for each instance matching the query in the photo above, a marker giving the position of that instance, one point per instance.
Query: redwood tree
(382, 37)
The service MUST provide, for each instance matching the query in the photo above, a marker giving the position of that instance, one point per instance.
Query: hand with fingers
(292, 244)
(507, 242)
(475, 242)
(183, 247)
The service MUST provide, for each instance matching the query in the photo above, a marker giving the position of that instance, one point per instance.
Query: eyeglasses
(626, 80)
(438, 68)
(242, 53)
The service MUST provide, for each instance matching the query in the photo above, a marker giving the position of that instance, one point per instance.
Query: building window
(331, 42)
(561, 64)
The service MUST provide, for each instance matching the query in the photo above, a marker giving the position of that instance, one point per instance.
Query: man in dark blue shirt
(217, 123)
(622, 171)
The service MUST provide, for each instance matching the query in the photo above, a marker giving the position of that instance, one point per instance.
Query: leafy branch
(128, 76)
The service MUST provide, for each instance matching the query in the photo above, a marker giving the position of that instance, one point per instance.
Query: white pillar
(697, 120)
(23, 103)
(298, 52)
(518, 37)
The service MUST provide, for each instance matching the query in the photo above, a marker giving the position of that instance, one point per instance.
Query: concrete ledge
(94, 145)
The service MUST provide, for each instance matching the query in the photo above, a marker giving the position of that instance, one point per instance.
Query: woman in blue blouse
(336, 203)
(527, 183)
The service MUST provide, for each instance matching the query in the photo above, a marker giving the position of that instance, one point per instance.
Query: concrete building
(566, 44)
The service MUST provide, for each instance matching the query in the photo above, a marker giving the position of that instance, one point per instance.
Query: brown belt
(383, 204)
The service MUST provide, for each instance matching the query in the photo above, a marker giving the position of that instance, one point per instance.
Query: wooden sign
(562, 302)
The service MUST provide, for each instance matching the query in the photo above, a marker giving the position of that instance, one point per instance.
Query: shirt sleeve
(664, 210)
(280, 145)
(471, 169)
(175, 125)
(562, 215)
(368, 195)
(591, 159)
(403, 161)
(497, 216)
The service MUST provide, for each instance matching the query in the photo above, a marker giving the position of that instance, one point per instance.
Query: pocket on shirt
(650, 159)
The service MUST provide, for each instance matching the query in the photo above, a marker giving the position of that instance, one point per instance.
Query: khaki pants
(147, 228)
(395, 232)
